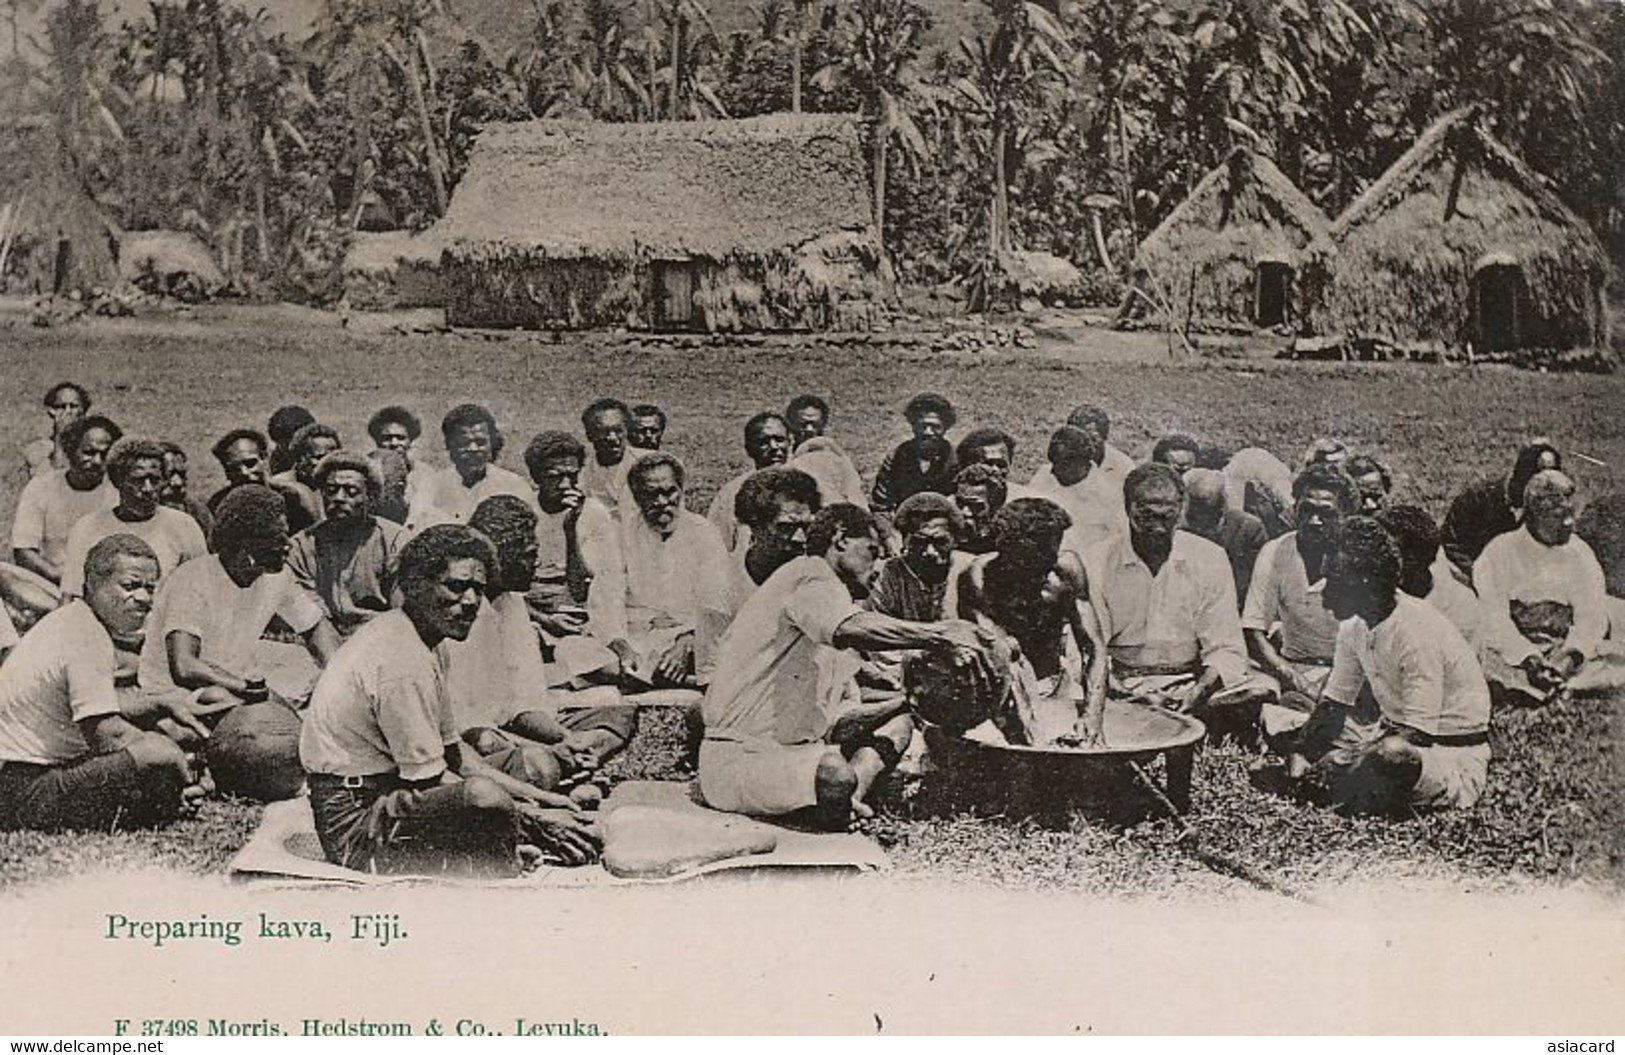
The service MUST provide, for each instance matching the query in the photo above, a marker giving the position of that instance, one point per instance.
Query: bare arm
(34, 560)
(191, 671)
(1090, 638)
(110, 733)
(322, 641)
(873, 632)
(1264, 652)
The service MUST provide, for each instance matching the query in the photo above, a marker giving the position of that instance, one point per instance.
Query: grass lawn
(1556, 804)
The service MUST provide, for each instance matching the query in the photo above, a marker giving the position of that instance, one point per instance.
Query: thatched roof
(1244, 209)
(565, 189)
(1459, 199)
(47, 204)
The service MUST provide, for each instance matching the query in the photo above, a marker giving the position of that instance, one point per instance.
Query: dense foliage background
(1069, 126)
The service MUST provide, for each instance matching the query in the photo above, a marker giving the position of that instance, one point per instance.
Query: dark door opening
(1273, 304)
(1499, 308)
(675, 282)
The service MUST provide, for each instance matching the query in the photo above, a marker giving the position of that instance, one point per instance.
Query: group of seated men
(479, 632)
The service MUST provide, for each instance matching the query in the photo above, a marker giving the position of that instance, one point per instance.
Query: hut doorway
(1500, 309)
(1272, 303)
(675, 282)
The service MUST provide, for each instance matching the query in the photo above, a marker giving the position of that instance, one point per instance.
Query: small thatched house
(387, 270)
(1461, 244)
(760, 224)
(1235, 251)
(53, 237)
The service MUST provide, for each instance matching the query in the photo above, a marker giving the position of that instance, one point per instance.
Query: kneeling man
(390, 785)
(1428, 744)
(773, 744)
(72, 750)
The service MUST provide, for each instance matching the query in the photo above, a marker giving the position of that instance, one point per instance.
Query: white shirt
(772, 680)
(676, 577)
(1421, 671)
(200, 599)
(1518, 567)
(49, 507)
(735, 536)
(379, 707)
(173, 535)
(497, 672)
(60, 674)
(441, 497)
(1280, 593)
(1096, 515)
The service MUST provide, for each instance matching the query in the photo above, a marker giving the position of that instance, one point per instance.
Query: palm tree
(880, 60)
(605, 84)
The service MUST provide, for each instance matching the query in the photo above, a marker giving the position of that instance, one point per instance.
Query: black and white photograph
(600, 517)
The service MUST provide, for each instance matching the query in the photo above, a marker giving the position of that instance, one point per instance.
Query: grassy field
(1554, 809)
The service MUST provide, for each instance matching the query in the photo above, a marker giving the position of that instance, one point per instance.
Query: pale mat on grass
(285, 850)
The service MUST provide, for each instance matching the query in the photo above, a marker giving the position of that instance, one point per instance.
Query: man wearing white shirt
(450, 495)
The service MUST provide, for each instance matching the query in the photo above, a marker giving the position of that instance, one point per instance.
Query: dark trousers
(101, 792)
(381, 824)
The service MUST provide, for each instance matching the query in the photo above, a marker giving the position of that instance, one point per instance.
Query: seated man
(495, 677)
(1543, 603)
(135, 468)
(987, 445)
(212, 611)
(820, 456)
(309, 446)
(73, 750)
(776, 741)
(449, 495)
(1069, 481)
(673, 570)
(923, 463)
(606, 423)
(394, 431)
(174, 494)
(1208, 514)
(347, 563)
(1178, 452)
(284, 424)
(1325, 450)
(65, 403)
(777, 505)
(1036, 594)
(1167, 607)
(244, 458)
(1257, 482)
(1493, 506)
(648, 428)
(1428, 742)
(979, 492)
(1113, 462)
(52, 503)
(1420, 575)
(577, 574)
(1372, 482)
(1301, 657)
(917, 585)
(392, 789)
(767, 443)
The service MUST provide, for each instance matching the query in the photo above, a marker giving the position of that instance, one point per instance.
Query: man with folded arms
(347, 562)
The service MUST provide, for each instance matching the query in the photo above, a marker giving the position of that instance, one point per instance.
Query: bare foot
(587, 796)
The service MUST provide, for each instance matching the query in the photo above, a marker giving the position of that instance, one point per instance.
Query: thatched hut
(53, 237)
(759, 224)
(1235, 251)
(388, 270)
(1461, 244)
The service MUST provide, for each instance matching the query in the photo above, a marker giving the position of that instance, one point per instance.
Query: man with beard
(923, 463)
(74, 753)
(1281, 593)
(1543, 601)
(820, 456)
(1493, 506)
(65, 404)
(606, 424)
(496, 680)
(918, 585)
(391, 785)
(474, 443)
(648, 428)
(174, 494)
(770, 746)
(308, 447)
(1167, 607)
(211, 612)
(1208, 514)
(1420, 574)
(53, 502)
(1425, 742)
(767, 443)
(135, 467)
(347, 563)
(1071, 483)
(394, 431)
(675, 571)
(980, 491)
(1036, 595)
